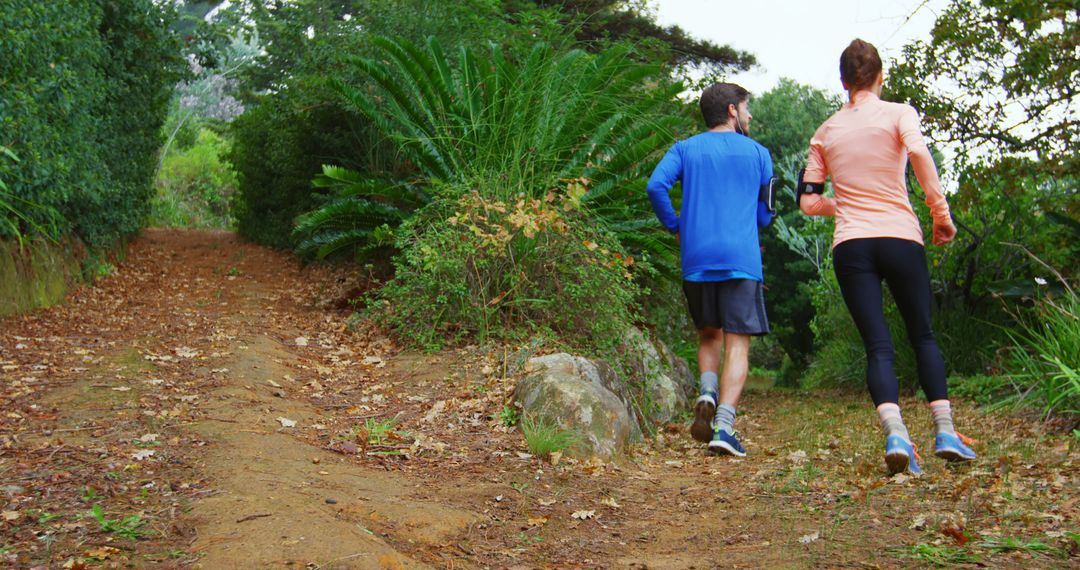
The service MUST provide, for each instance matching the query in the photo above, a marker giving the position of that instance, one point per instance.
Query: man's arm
(765, 198)
(663, 178)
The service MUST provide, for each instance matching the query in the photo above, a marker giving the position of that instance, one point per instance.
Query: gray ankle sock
(893, 424)
(724, 420)
(709, 383)
(942, 413)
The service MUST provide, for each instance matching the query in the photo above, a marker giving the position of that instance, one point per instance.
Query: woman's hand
(944, 233)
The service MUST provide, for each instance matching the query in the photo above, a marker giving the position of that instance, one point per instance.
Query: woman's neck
(853, 96)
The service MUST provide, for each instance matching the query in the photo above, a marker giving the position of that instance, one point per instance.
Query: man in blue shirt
(725, 176)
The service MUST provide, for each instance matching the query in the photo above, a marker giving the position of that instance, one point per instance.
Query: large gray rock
(679, 371)
(578, 394)
(663, 383)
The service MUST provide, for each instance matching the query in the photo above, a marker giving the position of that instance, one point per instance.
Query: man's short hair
(715, 100)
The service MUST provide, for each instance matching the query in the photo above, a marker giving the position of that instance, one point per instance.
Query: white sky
(801, 39)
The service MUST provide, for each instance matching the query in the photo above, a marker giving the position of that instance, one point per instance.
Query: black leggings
(860, 266)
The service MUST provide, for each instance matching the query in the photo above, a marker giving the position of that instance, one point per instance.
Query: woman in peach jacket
(864, 149)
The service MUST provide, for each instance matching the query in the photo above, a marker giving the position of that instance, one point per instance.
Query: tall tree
(997, 79)
(785, 117)
(996, 84)
(599, 21)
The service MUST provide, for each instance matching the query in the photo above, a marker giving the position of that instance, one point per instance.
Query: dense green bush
(195, 185)
(275, 153)
(293, 123)
(532, 121)
(477, 267)
(85, 89)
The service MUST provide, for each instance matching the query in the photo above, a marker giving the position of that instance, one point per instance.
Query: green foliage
(509, 416)
(379, 431)
(530, 124)
(478, 267)
(785, 119)
(195, 185)
(275, 156)
(358, 214)
(998, 78)
(786, 116)
(596, 22)
(839, 358)
(1010, 79)
(85, 90)
(293, 123)
(543, 437)
(128, 527)
(14, 210)
(1045, 356)
(942, 555)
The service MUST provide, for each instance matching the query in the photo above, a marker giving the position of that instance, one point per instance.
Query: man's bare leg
(710, 343)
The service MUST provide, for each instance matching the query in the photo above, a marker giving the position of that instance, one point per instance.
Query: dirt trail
(209, 388)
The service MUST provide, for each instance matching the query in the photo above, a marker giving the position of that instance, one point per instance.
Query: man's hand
(944, 233)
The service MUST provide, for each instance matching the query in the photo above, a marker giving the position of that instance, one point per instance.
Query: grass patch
(509, 416)
(377, 431)
(941, 555)
(127, 527)
(1010, 544)
(543, 438)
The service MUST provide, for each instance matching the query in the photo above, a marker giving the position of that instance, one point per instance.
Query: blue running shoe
(901, 455)
(724, 443)
(951, 447)
(704, 410)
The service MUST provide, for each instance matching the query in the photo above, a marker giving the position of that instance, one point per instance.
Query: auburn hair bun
(860, 65)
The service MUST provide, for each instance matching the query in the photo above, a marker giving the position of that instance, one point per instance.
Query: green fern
(355, 209)
(529, 122)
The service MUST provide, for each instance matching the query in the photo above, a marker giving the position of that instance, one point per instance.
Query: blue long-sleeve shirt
(722, 174)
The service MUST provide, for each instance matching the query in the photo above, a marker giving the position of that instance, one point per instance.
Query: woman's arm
(816, 204)
(922, 162)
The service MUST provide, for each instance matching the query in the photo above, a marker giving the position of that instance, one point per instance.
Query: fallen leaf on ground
(149, 438)
(144, 454)
(121, 388)
(435, 411)
(12, 515)
(808, 538)
(538, 521)
(956, 534)
(546, 502)
(301, 341)
(583, 515)
(186, 352)
(610, 502)
(101, 552)
(286, 422)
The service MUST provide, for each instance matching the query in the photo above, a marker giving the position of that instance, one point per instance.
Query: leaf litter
(664, 488)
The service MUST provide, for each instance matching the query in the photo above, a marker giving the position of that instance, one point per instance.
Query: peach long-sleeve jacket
(864, 148)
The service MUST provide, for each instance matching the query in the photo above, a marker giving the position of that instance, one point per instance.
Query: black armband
(804, 187)
(766, 195)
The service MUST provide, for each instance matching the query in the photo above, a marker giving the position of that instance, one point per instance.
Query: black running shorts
(736, 305)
